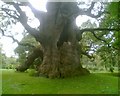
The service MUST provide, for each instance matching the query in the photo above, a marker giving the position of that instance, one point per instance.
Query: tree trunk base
(62, 63)
(64, 74)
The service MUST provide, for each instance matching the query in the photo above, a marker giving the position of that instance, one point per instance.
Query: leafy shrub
(32, 72)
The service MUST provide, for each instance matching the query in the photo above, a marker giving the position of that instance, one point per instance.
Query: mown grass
(22, 83)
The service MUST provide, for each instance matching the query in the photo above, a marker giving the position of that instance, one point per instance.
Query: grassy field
(22, 83)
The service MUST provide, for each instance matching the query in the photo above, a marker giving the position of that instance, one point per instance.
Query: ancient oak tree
(58, 36)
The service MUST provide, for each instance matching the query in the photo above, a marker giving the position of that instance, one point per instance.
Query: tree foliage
(7, 62)
(23, 51)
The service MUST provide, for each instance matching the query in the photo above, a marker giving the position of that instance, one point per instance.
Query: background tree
(7, 62)
(23, 51)
(110, 48)
(29, 49)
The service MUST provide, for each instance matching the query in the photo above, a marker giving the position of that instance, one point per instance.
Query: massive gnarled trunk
(61, 55)
(61, 63)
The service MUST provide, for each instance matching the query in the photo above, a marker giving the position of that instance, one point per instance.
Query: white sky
(9, 46)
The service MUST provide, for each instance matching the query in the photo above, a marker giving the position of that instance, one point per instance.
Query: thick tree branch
(15, 40)
(94, 16)
(23, 19)
(88, 11)
(37, 13)
(80, 32)
(99, 29)
(7, 11)
(91, 7)
(102, 40)
(86, 54)
(36, 53)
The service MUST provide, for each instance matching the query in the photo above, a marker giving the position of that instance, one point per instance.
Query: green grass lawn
(22, 83)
